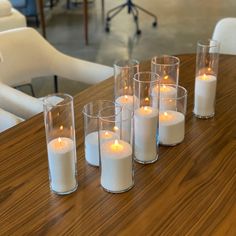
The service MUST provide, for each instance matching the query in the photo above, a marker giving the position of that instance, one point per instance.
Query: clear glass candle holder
(91, 128)
(124, 71)
(167, 67)
(116, 153)
(207, 61)
(61, 143)
(173, 107)
(146, 113)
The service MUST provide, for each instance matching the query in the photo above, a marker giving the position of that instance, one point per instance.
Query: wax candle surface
(171, 127)
(167, 97)
(91, 145)
(145, 130)
(62, 164)
(127, 102)
(204, 95)
(116, 165)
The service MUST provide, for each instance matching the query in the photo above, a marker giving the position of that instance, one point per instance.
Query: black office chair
(132, 8)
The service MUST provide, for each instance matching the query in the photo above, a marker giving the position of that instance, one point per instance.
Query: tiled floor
(181, 23)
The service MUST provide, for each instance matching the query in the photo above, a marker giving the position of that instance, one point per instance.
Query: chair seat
(19, 3)
(28, 8)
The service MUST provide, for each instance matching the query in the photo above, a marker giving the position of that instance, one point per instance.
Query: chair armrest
(7, 120)
(19, 103)
(80, 70)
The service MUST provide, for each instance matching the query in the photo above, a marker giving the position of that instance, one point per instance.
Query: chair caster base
(138, 32)
(107, 29)
(154, 24)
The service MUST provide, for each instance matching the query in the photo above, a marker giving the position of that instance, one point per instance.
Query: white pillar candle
(91, 145)
(204, 95)
(167, 97)
(127, 102)
(145, 133)
(171, 127)
(116, 163)
(62, 161)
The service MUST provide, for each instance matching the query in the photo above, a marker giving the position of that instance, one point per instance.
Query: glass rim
(147, 82)
(67, 99)
(106, 118)
(207, 43)
(177, 60)
(177, 87)
(128, 63)
(97, 101)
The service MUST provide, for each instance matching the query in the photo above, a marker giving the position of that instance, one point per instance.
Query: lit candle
(145, 129)
(125, 101)
(171, 127)
(116, 165)
(204, 95)
(167, 97)
(91, 145)
(62, 164)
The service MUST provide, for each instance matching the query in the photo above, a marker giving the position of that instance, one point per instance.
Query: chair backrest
(26, 55)
(225, 33)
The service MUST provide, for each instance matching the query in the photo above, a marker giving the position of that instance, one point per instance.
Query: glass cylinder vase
(116, 153)
(167, 67)
(173, 107)
(124, 71)
(207, 61)
(91, 129)
(61, 143)
(146, 112)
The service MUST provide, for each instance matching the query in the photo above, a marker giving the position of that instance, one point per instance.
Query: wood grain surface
(190, 190)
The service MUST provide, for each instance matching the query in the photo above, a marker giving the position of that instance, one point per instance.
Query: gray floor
(181, 23)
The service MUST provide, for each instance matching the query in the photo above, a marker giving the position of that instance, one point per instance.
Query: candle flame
(61, 127)
(146, 99)
(165, 114)
(59, 140)
(116, 146)
(126, 97)
(166, 77)
(145, 108)
(204, 77)
(116, 128)
(209, 69)
(126, 87)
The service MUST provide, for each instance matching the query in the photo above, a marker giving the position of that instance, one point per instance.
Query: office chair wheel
(154, 24)
(108, 19)
(138, 32)
(107, 29)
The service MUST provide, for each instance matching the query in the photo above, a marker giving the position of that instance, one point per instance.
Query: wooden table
(190, 190)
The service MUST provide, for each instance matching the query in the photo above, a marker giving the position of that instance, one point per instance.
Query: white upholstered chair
(26, 55)
(10, 18)
(225, 33)
(7, 120)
